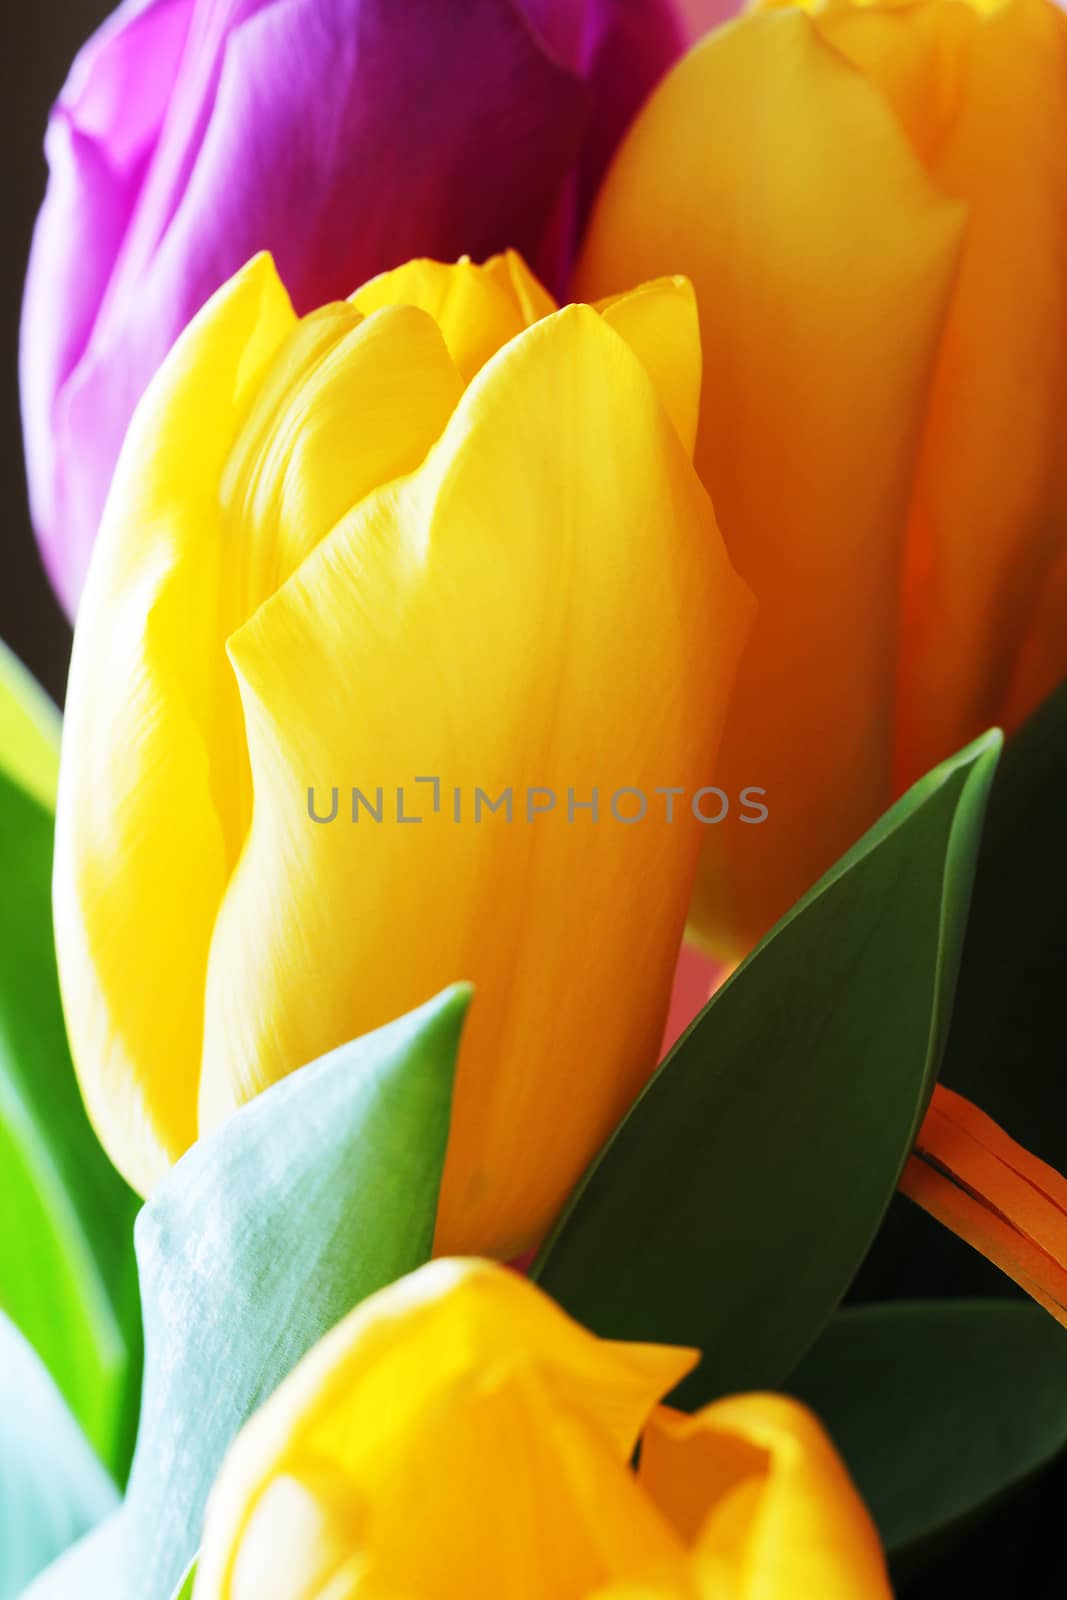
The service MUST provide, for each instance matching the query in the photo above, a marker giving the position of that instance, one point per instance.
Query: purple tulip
(345, 136)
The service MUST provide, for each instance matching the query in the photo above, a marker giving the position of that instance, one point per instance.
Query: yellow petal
(527, 290)
(538, 607)
(659, 323)
(139, 847)
(754, 1487)
(769, 172)
(349, 402)
(258, 435)
(300, 1535)
(917, 56)
(463, 1403)
(477, 307)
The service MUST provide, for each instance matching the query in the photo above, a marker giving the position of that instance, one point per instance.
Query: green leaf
(29, 731)
(1009, 1025)
(735, 1202)
(67, 1271)
(318, 1193)
(184, 1591)
(1006, 1045)
(92, 1569)
(939, 1407)
(52, 1487)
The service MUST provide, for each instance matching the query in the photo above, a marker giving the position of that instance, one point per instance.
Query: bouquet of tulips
(531, 974)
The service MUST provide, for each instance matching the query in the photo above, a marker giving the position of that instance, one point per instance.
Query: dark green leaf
(52, 1487)
(939, 1407)
(66, 1219)
(736, 1200)
(1007, 1046)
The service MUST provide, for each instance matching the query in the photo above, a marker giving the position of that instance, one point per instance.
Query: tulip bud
(463, 1404)
(394, 611)
(342, 135)
(869, 202)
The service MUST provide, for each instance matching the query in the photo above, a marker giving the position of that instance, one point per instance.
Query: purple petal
(100, 138)
(343, 135)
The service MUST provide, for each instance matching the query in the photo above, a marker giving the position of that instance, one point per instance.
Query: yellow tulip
(869, 200)
(458, 1434)
(442, 530)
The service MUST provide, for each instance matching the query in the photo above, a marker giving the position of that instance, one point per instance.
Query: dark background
(41, 37)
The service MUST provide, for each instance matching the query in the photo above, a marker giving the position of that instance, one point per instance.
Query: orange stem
(968, 1173)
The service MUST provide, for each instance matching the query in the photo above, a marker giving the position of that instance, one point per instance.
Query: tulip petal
(700, 15)
(754, 1485)
(342, 136)
(139, 848)
(256, 438)
(532, 297)
(659, 323)
(476, 623)
(769, 172)
(624, 47)
(695, 981)
(116, 96)
(463, 1398)
(478, 308)
(1009, 1205)
(1038, 669)
(982, 93)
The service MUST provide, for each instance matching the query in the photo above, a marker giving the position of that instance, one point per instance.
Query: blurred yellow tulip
(442, 531)
(458, 1434)
(869, 200)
